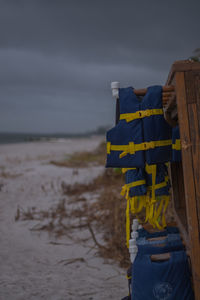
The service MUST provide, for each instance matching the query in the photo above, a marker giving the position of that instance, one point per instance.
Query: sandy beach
(35, 264)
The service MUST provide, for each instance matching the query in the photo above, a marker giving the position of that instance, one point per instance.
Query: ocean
(13, 138)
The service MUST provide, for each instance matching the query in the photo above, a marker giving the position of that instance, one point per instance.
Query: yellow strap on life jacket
(149, 207)
(151, 169)
(153, 172)
(135, 207)
(161, 208)
(157, 214)
(152, 189)
(124, 170)
(140, 114)
(162, 184)
(133, 202)
(132, 147)
(142, 203)
(126, 187)
(177, 145)
(153, 210)
(148, 168)
(167, 198)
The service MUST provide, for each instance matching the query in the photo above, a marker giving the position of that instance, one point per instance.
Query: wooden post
(186, 78)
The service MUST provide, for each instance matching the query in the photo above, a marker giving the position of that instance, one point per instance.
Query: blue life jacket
(176, 144)
(142, 134)
(147, 189)
(156, 127)
(161, 184)
(162, 280)
(167, 246)
(126, 132)
(168, 230)
(169, 238)
(137, 178)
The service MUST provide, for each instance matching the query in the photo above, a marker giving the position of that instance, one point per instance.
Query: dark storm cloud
(58, 57)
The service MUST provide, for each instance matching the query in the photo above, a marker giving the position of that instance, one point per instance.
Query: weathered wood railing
(184, 108)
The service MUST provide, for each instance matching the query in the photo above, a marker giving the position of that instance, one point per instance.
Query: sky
(58, 57)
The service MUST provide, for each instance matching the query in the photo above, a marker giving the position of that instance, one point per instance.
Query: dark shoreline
(15, 138)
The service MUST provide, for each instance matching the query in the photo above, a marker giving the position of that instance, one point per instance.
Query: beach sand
(36, 265)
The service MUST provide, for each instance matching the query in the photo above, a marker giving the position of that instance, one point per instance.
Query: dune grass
(105, 215)
(84, 158)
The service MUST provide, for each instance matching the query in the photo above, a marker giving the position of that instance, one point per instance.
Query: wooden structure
(183, 107)
(181, 102)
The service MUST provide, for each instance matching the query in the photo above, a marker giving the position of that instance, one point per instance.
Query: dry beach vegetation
(62, 222)
(60, 225)
(105, 215)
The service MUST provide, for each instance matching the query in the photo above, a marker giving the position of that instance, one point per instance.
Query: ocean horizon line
(20, 137)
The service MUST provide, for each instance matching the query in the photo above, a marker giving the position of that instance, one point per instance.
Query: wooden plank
(192, 80)
(183, 231)
(174, 114)
(165, 89)
(195, 141)
(189, 182)
(178, 196)
(190, 87)
(197, 89)
(175, 185)
(182, 66)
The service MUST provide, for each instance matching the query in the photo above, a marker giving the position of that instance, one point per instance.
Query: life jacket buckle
(145, 146)
(151, 145)
(147, 113)
(131, 148)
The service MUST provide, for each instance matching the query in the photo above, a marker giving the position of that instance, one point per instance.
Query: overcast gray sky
(58, 57)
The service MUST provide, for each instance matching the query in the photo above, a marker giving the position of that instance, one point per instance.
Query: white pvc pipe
(133, 250)
(132, 242)
(135, 221)
(135, 224)
(134, 234)
(115, 89)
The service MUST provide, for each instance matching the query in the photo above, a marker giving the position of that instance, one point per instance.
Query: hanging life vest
(135, 182)
(168, 230)
(158, 188)
(153, 178)
(126, 135)
(162, 280)
(176, 144)
(155, 211)
(167, 246)
(168, 239)
(143, 185)
(142, 134)
(157, 179)
(146, 189)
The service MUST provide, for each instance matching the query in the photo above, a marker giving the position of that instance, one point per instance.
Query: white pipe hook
(115, 89)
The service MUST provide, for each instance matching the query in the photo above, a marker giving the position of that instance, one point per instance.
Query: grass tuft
(84, 159)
